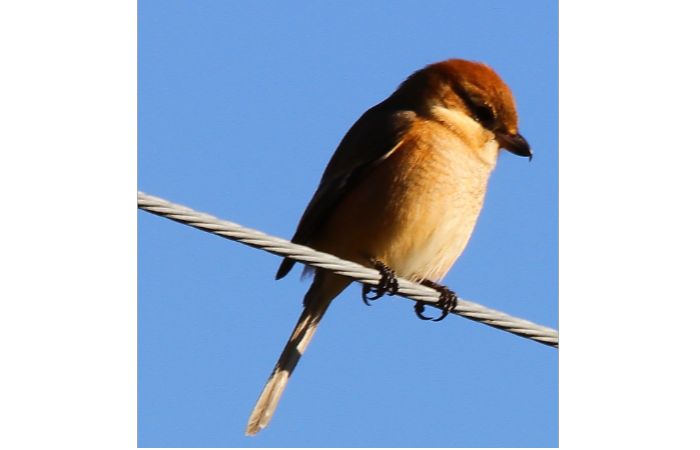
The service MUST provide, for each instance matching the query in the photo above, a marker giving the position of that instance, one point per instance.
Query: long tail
(324, 289)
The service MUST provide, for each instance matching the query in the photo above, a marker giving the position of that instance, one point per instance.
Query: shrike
(402, 192)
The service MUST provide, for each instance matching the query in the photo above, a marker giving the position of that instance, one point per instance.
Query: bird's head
(473, 88)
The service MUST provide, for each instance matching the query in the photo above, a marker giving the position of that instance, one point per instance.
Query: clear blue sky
(240, 106)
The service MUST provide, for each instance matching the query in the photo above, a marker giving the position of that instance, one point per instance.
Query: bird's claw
(419, 307)
(447, 301)
(388, 284)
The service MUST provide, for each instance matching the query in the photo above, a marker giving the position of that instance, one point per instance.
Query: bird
(402, 193)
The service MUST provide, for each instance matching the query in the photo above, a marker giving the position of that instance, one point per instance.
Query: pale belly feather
(416, 210)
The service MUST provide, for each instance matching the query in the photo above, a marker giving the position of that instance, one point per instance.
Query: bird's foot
(447, 301)
(388, 284)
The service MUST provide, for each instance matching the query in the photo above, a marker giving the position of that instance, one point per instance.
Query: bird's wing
(375, 136)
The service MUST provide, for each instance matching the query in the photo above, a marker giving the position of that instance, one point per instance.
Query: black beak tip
(515, 144)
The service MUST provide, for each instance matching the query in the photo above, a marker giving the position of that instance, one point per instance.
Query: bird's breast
(415, 211)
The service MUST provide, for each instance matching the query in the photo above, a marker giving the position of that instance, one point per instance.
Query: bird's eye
(484, 115)
(481, 111)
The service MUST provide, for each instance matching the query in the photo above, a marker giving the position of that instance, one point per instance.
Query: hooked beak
(514, 143)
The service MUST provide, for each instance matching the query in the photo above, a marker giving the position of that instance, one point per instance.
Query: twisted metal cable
(306, 255)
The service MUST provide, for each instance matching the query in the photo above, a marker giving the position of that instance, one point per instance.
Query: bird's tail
(324, 289)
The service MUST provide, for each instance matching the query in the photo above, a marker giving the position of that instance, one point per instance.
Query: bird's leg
(447, 301)
(388, 284)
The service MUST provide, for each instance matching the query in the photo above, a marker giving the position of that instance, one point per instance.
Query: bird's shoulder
(371, 139)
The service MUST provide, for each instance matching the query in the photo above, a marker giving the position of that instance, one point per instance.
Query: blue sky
(240, 106)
